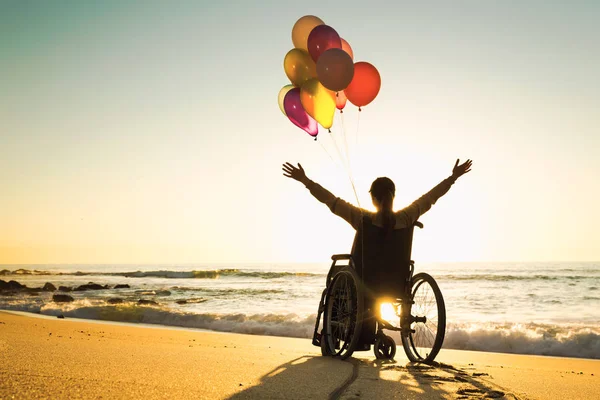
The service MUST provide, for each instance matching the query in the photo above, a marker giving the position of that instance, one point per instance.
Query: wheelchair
(377, 276)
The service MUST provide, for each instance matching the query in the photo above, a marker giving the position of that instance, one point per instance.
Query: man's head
(382, 192)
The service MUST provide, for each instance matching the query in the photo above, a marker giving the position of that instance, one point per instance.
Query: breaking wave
(244, 273)
(539, 339)
(194, 274)
(505, 278)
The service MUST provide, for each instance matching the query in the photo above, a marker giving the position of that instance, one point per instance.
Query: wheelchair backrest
(382, 258)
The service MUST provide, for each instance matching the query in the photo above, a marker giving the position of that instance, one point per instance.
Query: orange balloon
(346, 47)
(318, 101)
(340, 100)
(365, 85)
(299, 66)
(302, 29)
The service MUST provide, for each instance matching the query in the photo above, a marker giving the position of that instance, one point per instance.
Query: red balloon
(321, 39)
(364, 86)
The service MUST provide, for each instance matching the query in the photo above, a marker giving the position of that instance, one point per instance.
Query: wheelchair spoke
(341, 315)
(429, 320)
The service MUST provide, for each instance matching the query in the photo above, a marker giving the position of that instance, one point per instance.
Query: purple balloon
(321, 39)
(296, 113)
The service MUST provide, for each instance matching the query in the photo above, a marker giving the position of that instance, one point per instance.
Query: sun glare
(388, 313)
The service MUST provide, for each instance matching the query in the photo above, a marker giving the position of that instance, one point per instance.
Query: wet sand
(69, 358)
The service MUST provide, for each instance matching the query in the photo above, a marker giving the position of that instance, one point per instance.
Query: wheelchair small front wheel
(385, 348)
(428, 320)
(342, 315)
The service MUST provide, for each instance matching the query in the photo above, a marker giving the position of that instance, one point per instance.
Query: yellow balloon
(302, 29)
(281, 96)
(318, 101)
(299, 66)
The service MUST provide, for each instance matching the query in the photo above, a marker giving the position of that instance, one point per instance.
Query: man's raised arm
(410, 214)
(339, 207)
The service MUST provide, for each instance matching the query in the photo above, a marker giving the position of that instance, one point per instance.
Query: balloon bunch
(324, 76)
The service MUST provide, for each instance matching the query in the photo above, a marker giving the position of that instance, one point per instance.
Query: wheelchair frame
(385, 346)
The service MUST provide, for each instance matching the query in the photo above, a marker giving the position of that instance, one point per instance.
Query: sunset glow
(131, 137)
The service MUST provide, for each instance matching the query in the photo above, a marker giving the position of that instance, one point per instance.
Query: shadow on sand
(306, 377)
(313, 377)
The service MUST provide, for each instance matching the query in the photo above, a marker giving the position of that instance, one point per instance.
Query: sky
(149, 131)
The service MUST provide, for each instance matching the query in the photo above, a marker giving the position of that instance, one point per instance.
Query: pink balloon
(321, 39)
(296, 113)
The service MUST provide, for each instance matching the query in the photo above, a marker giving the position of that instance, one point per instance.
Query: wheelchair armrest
(417, 223)
(336, 257)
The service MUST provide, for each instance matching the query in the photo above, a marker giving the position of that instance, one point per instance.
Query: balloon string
(354, 189)
(338, 152)
(357, 126)
(349, 164)
(331, 158)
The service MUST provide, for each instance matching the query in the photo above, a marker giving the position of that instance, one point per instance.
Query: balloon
(335, 69)
(318, 102)
(299, 67)
(302, 29)
(321, 39)
(346, 47)
(365, 85)
(295, 112)
(281, 96)
(340, 100)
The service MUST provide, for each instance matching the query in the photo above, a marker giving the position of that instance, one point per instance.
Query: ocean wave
(504, 278)
(538, 339)
(243, 273)
(289, 325)
(230, 291)
(194, 274)
(22, 271)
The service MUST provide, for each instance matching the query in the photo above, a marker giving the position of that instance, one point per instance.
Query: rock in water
(64, 289)
(115, 300)
(122, 286)
(14, 285)
(143, 302)
(90, 286)
(62, 298)
(49, 287)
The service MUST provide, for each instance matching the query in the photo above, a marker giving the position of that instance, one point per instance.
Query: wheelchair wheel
(342, 315)
(428, 315)
(385, 348)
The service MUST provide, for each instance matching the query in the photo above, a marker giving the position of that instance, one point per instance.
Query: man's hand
(460, 170)
(295, 173)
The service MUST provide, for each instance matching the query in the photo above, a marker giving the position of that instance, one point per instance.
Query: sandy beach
(49, 357)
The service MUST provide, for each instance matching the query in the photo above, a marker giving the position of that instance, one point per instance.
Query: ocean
(526, 308)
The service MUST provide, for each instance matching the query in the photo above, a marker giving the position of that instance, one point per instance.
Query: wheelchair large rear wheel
(343, 314)
(428, 315)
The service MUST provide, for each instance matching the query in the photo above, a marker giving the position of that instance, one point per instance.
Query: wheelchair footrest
(317, 339)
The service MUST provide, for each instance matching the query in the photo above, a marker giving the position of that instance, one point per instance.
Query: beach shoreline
(48, 357)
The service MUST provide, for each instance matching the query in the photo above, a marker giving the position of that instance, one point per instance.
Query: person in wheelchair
(380, 253)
